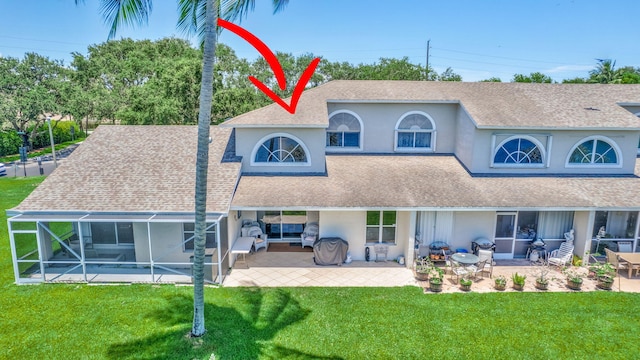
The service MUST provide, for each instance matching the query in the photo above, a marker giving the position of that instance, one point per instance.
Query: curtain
(553, 224)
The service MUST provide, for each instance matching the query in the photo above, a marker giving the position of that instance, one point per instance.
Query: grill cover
(330, 251)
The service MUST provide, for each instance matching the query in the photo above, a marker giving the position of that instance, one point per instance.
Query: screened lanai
(90, 247)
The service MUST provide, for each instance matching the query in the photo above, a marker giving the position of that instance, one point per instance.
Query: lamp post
(53, 147)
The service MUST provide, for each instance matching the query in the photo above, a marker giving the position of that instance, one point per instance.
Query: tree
(200, 16)
(492, 79)
(534, 77)
(449, 75)
(605, 73)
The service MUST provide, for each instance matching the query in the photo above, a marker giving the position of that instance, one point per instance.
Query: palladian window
(415, 131)
(344, 130)
(519, 150)
(281, 149)
(595, 151)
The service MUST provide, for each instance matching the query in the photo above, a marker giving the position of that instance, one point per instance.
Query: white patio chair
(310, 234)
(260, 240)
(477, 268)
(624, 246)
(487, 257)
(562, 255)
(457, 270)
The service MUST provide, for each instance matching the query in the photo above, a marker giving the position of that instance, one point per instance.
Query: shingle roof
(137, 169)
(491, 105)
(436, 182)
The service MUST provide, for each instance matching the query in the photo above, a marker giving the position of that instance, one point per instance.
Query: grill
(482, 243)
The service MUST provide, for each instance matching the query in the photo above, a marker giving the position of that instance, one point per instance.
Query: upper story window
(415, 131)
(345, 129)
(595, 150)
(280, 149)
(519, 151)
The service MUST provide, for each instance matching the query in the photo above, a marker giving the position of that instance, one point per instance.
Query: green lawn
(78, 321)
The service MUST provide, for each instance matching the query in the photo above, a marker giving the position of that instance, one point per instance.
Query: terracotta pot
(435, 287)
(518, 287)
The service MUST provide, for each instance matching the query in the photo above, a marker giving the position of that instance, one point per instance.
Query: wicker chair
(310, 234)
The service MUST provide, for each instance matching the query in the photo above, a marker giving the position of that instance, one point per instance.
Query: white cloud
(570, 68)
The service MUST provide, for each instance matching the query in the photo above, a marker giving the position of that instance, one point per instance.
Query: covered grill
(482, 243)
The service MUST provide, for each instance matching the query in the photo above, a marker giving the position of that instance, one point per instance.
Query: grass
(73, 321)
(39, 152)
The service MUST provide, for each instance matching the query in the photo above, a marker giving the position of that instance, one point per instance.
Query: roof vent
(592, 108)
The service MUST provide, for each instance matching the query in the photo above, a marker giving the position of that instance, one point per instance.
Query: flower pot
(500, 287)
(605, 283)
(435, 286)
(518, 287)
(465, 287)
(574, 285)
(421, 276)
(542, 285)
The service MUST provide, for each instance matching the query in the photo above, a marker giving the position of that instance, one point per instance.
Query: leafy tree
(534, 77)
(605, 73)
(195, 15)
(449, 75)
(576, 80)
(30, 90)
(492, 79)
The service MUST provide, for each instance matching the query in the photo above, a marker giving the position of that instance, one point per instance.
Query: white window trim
(287, 135)
(609, 141)
(543, 152)
(346, 148)
(433, 132)
(380, 227)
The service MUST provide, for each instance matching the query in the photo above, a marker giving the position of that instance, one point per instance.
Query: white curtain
(435, 226)
(553, 224)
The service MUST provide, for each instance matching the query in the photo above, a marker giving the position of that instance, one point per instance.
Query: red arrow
(274, 63)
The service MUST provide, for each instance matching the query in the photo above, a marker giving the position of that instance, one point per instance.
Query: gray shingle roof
(137, 169)
(491, 105)
(437, 182)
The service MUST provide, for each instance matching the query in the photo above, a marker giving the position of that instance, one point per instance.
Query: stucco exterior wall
(312, 138)
(379, 123)
(351, 226)
(471, 225)
(557, 146)
(583, 226)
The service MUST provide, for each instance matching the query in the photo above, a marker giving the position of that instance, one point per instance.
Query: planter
(435, 286)
(574, 285)
(518, 287)
(542, 285)
(465, 287)
(421, 276)
(500, 287)
(605, 283)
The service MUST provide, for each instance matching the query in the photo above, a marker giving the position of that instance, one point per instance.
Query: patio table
(633, 259)
(465, 258)
(243, 246)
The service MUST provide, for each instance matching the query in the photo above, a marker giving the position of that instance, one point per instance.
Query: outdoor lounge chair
(562, 255)
(310, 234)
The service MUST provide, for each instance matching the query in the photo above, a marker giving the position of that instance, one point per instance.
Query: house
(397, 163)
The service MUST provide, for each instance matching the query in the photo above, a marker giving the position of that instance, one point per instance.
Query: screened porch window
(189, 233)
(381, 227)
(109, 233)
(617, 224)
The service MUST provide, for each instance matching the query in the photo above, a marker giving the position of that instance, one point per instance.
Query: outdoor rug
(288, 247)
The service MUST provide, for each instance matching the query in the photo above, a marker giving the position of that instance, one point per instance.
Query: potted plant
(465, 284)
(605, 274)
(542, 283)
(422, 268)
(435, 279)
(518, 281)
(500, 283)
(574, 278)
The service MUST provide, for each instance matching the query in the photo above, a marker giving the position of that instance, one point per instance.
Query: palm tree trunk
(202, 163)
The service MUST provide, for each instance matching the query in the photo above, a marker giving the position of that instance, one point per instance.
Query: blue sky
(477, 38)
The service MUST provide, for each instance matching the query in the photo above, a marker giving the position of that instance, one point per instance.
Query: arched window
(594, 150)
(519, 150)
(344, 130)
(280, 148)
(414, 131)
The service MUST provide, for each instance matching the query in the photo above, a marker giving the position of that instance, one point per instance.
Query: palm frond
(127, 12)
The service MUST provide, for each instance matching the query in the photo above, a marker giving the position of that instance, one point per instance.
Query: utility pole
(427, 68)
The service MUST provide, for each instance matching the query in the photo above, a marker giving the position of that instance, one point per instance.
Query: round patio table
(465, 258)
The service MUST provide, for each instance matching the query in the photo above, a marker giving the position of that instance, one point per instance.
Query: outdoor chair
(624, 246)
(562, 255)
(310, 234)
(487, 257)
(457, 270)
(261, 239)
(612, 258)
(477, 268)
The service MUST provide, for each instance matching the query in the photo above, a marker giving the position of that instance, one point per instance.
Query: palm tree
(605, 73)
(195, 16)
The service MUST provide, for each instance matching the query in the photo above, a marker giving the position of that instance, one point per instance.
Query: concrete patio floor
(282, 269)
